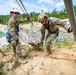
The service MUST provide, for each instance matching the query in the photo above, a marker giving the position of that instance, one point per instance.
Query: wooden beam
(71, 15)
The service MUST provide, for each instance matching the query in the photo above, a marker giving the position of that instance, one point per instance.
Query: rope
(23, 9)
(23, 6)
(20, 6)
(26, 13)
(23, 41)
(53, 57)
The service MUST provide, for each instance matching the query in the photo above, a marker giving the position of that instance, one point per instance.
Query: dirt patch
(62, 61)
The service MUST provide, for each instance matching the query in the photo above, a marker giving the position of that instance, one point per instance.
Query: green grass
(65, 44)
(6, 48)
(23, 47)
(1, 65)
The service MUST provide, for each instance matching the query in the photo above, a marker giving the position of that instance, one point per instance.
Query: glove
(70, 29)
(28, 17)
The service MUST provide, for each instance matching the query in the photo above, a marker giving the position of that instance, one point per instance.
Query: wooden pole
(71, 15)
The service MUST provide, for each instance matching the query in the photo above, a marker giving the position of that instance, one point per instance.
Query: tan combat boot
(48, 50)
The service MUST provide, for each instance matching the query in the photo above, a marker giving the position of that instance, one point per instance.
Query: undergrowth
(65, 44)
(6, 48)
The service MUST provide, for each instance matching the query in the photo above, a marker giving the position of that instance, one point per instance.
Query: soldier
(13, 29)
(51, 25)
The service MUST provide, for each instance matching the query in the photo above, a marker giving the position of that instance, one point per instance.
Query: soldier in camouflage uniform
(13, 28)
(51, 25)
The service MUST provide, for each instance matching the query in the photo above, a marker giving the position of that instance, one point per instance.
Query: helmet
(41, 17)
(14, 10)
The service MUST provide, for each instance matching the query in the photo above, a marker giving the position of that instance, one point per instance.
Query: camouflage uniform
(13, 29)
(52, 31)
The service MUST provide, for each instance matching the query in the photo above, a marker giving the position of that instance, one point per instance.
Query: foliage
(1, 65)
(27, 55)
(4, 72)
(23, 47)
(34, 16)
(6, 48)
(59, 14)
(4, 19)
(56, 43)
(65, 44)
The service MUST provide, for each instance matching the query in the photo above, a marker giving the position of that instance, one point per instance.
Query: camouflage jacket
(13, 25)
(53, 24)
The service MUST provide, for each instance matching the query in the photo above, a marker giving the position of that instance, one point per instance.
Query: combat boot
(19, 53)
(16, 64)
(48, 50)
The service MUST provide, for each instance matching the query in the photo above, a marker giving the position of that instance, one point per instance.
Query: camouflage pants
(49, 39)
(16, 47)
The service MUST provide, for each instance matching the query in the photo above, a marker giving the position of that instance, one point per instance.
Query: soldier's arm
(67, 26)
(63, 24)
(42, 33)
(23, 20)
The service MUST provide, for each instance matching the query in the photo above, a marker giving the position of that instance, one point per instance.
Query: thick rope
(20, 6)
(54, 57)
(23, 8)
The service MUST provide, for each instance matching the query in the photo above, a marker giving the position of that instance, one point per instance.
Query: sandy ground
(62, 61)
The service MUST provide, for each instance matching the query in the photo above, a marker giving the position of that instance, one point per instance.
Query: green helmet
(41, 17)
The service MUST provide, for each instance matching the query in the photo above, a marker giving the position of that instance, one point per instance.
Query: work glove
(70, 29)
(28, 17)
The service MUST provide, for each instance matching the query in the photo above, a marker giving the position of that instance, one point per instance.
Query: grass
(1, 65)
(6, 48)
(23, 47)
(65, 44)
